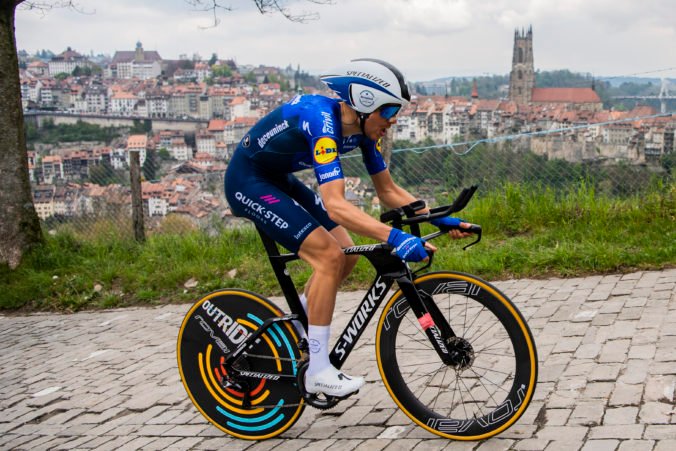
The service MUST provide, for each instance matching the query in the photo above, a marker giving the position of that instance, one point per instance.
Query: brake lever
(426, 265)
(430, 254)
(475, 229)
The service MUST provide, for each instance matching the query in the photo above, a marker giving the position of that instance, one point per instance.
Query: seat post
(278, 262)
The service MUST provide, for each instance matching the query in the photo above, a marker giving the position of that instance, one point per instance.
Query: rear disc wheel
(260, 399)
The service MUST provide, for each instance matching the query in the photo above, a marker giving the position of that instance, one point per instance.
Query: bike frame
(389, 269)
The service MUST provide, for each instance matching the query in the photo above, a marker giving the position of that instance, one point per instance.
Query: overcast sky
(426, 39)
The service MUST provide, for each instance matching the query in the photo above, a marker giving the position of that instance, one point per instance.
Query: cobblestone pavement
(108, 380)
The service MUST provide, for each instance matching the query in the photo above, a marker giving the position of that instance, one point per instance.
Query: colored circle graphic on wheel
(259, 399)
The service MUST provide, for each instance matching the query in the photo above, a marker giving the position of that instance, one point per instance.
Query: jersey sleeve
(373, 158)
(320, 130)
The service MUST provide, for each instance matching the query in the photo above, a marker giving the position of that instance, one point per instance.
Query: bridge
(663, 96)
(189, 125)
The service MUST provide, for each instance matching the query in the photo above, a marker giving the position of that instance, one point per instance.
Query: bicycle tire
(212, 329)
(491, 392)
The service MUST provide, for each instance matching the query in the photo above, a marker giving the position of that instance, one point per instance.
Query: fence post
(136, 197)
(386, 146)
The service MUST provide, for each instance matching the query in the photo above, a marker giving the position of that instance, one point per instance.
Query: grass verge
(528, 232)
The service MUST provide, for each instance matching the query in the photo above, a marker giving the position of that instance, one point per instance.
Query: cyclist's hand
(408, 247)
(454, 226)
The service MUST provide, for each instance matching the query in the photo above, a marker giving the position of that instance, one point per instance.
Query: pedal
(316, 400)
(342, 398)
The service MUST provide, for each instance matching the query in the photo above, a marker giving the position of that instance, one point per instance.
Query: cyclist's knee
(324, 255)
(331, 262)
(351, 261)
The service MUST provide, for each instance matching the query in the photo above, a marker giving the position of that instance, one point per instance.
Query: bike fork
(433, 323)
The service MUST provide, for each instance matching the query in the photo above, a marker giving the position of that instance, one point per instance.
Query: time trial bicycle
(454, 353)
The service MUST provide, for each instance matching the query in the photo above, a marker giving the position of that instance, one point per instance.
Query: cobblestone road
(108, 380)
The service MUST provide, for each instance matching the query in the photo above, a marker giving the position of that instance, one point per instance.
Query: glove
(447, 223)
(407, 247)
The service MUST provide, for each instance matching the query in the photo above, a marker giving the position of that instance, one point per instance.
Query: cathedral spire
(522, 76)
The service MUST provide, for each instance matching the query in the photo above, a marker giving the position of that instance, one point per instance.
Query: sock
(318, 338)
(296, 323)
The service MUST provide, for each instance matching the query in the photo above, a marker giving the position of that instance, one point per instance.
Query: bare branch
(43, 6)
(209, 6)
(263, 6)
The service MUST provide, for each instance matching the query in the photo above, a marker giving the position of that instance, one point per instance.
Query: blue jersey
(306, 133)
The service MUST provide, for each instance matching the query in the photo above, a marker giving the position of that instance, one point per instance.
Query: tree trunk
(19, 223)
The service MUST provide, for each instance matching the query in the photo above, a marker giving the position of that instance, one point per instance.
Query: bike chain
(266, 357)
(302, 347)
(287, 359)
(283, 359)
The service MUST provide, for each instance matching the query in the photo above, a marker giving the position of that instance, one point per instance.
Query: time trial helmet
(367, 84)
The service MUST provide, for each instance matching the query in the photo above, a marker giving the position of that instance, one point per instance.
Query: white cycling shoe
(333, 382)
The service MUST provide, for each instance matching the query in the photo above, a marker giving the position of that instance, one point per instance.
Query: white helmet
(367, 84)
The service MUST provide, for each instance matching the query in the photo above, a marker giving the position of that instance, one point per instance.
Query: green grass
(528, 232)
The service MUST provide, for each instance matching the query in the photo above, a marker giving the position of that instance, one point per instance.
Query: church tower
(522, 77)
(139, 55)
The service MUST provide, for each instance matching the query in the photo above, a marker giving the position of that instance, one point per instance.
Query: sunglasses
(389, 111)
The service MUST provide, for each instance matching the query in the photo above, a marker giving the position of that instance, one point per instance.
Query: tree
(85, 71)
(221, 70)
(19, 223)
(103, 174)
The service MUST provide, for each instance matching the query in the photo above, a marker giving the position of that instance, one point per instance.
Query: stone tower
(522, 77)
(139, 54)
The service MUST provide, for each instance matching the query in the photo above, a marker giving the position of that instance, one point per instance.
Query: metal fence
(90, 194)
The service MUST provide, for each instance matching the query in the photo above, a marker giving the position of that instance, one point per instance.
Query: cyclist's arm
(348, 215)
(391, 194)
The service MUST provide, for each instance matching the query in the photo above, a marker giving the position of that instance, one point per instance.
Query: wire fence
(93, 195)
(89, 192)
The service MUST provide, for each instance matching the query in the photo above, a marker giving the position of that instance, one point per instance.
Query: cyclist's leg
(321, 250)
(291, 206)
(266, 201)
(312, 202)
(322, 310)
(344, 240)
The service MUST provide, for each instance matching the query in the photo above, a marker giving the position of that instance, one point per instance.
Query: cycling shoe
(333, 382)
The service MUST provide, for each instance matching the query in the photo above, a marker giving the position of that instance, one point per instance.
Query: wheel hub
(462, 353)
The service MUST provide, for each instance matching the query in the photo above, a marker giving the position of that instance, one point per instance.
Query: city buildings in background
(198, 110)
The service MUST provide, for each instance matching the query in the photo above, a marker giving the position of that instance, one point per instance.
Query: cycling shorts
(280, 204)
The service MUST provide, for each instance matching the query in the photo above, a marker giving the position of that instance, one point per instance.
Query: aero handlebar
(413, 220)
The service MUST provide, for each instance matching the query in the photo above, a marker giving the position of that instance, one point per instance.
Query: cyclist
(312, 131)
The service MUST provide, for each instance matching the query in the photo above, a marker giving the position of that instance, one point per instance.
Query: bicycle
(454, 353)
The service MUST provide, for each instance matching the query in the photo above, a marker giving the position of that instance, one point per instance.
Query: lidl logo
(326, 150)
(378, 145)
